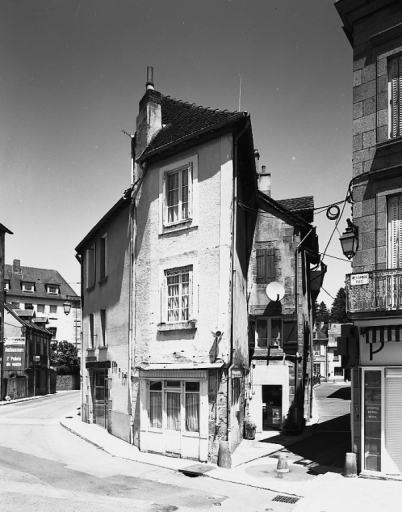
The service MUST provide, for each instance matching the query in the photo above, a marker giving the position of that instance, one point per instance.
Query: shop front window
(372, 420)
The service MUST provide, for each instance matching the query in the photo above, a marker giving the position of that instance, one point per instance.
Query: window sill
(90, 288)
(178, 326)
(178, 226)
(103, 280)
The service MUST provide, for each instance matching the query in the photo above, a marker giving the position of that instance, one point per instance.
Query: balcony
(380, 290)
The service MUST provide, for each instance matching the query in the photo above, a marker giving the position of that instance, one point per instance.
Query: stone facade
(374, 29)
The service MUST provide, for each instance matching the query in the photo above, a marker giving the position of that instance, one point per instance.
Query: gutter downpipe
(132, 290)
(297, 321)
(234, 240)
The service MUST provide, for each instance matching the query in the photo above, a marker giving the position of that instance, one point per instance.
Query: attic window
(53, 289)
(6, 284)
(28, 287)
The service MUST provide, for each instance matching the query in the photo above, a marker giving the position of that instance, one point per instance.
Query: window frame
(394, 74)
(7, 284)
(24, 286)
(190, 165)
(103, 322)
(90, 267)
(56, 286)
(103, 257)
(268, 320)
(190, 265)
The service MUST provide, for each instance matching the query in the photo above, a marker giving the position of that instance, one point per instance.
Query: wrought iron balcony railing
(379, 290)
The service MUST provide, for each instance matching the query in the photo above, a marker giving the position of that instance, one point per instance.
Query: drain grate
(286, 499)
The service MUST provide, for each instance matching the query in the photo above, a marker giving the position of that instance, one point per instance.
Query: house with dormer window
(165, 333)
(45, 291)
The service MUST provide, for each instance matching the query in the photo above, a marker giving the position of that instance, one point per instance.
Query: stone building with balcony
(372, 347)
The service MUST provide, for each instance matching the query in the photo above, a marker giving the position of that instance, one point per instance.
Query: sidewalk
(310, 487)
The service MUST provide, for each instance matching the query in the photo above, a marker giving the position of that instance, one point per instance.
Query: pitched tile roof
(41, 277)
(181, 120)
(303, 206)
(298, 203)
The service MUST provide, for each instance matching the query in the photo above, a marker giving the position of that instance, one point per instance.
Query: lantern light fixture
(350, 240)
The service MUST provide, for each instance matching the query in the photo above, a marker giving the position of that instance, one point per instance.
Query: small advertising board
(14, 354)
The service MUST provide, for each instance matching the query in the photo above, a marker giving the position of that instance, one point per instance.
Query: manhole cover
(286, 499)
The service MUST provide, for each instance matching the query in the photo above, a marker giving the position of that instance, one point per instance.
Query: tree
(338, 310)
(321, 314)
(64, 357)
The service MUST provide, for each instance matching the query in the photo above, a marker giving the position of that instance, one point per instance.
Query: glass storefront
(372, 420)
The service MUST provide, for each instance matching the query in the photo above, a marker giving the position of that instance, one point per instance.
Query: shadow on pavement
(326, 447)
(341, 393)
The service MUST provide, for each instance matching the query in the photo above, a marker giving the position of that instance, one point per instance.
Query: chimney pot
(150, 78)
(17, 266)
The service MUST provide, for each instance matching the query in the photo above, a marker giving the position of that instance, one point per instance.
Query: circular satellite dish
(275, 291)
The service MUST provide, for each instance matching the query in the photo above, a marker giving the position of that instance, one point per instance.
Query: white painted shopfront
(174, 413)
(380, 375)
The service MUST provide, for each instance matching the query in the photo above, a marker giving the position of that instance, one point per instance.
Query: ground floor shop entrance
(381, 403)
(174, 413)
(271, 406)
(100, 397)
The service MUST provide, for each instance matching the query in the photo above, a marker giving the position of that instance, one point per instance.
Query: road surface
(44, 467)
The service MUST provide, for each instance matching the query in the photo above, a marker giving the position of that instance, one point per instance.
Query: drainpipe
(234, 221)
(132, 288)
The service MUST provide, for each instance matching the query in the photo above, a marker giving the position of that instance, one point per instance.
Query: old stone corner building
(374, 290)
(165, 323)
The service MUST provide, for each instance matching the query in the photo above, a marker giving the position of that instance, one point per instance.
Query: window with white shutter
(395, 232)
(395, 96)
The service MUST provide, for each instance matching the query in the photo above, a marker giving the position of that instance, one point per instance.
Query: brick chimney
(149, 119)
(264, 180)
(16, 267)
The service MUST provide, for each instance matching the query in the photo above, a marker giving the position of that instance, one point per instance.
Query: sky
(73, 71)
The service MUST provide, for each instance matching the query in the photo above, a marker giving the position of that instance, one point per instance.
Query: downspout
(234, 240)
(297, 321)
(132, 289)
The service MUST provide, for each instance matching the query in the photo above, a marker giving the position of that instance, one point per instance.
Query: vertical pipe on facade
(234, 240)
(132, 289)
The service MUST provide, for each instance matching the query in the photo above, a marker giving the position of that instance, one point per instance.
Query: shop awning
(382, 333)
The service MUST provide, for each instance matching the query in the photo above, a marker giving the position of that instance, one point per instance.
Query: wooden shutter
(393, 80)
(260, 256)
(190, 190)
(290, 335)
(265, 265)
(270, 264)
(395, 232)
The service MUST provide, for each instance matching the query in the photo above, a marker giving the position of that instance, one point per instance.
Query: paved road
(44, 467)
(331, 439)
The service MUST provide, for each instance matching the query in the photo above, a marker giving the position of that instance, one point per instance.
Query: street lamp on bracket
(350, 240)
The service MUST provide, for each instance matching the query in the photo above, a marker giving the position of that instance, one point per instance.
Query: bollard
(350, 466)
(224, 456)
(282, 466)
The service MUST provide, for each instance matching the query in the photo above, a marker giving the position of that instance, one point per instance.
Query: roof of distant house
(40, 277)
(182, 120)
(303, 206)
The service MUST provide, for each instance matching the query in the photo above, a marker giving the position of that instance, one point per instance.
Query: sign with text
(14, 357)
(359, 279)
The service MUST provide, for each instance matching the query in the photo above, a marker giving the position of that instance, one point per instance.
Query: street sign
(359, 279)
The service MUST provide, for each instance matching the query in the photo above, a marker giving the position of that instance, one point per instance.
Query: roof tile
(181, 119)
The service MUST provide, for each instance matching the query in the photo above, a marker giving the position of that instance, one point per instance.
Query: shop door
(271, 406)
(100, 397)
(173, 423)
(393, 418)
